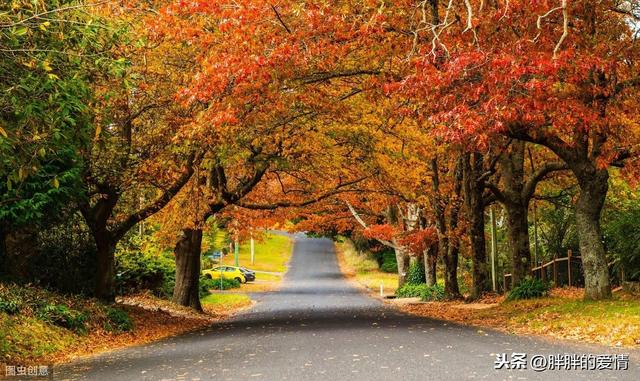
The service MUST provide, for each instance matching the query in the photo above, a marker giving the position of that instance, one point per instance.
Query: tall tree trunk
(447, 249)
(3, 249)
(187, 252)
(593, 191)
(518, 235)
(105, 270)
(473, 197)
(402, 258)
(515, 198)
(451, 288)
(430, 257)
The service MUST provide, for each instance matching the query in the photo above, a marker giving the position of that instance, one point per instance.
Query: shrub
(63, 316)
(409, 290)
(622, 232)
(416, 274)
(529, 288)
(389, 264)
(136, 271)
(424, 292)
(119, 320)
(435, 292)
(9, 307)
(207, 284)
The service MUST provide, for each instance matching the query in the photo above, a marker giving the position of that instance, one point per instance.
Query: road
(318, 326)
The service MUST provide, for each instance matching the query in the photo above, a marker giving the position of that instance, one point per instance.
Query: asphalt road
(320, 327)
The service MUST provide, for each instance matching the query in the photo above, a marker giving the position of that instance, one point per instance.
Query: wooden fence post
(555, 272)
(569, 266)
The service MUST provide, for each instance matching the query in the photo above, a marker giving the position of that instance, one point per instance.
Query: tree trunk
(105, 272)
(518, 235)
(3, 250)
(473, 197)
(402, 258)
(187, 252)
(450, 258)
(430, 258)
(593, 191)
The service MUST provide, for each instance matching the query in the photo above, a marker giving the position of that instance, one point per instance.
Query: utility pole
(236, 251)
(494, 247)
(535, 235)
(252, 249)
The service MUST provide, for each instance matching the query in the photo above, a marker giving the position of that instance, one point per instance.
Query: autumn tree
(519, 183)
(135, 163)
(550, 74)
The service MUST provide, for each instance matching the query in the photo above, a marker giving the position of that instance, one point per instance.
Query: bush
(416, 274)
(136, 271)
(63, 316)
(435, 292)
(622, 232)
(409, 290)
(9, 307)
(389, 264)
(424, 292)
(119, 320)
(529, 288)
(207, 284)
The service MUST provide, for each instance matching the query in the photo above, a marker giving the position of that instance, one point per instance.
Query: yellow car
(227, 272)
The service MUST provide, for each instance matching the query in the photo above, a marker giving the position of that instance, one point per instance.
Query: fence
(565, 271)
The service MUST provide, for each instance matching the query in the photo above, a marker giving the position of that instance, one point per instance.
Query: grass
(364, 269)
(272, 253)
(27, 335)
(613, 322)
(219, 302)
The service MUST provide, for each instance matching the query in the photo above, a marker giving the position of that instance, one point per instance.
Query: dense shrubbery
(58, 254)
(424, 292)
(416, 274)
(207, 284)
(63, 316)
(529, 288)
(622, 234)
(119, 320)
(389, 263)
(136, 271)
(72, 312)
(9, 307)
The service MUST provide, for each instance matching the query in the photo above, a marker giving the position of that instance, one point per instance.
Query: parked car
(227, 272)
(250, 275)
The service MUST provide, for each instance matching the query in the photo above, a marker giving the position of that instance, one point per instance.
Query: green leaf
(21, 31)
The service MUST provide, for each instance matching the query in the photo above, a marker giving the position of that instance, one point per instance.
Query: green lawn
(226, 300)
(272, 253)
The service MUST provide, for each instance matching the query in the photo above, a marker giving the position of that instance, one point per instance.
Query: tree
(261, 90)
(547, 75)
(518, 189)
(446, 212)
(135, 162)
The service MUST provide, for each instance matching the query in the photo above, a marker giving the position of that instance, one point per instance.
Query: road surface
(320, 327)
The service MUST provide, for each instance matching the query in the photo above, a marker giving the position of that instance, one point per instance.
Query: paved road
(320, 327)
